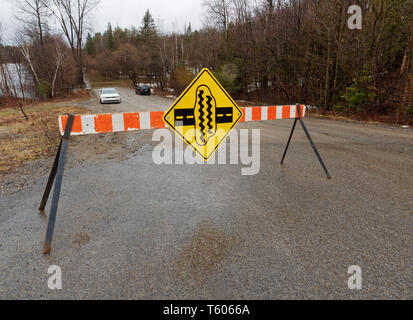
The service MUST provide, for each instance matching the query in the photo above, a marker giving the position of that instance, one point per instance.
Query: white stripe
(248, 114)
(304, 110)
(279, 112)
(61, 126)
(118, 123)
(88, 125)
(145, 120)
(264, 113)
(293, 112)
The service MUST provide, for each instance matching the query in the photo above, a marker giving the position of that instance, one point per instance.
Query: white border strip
(248, 114)
(145, 120)
(118, 124)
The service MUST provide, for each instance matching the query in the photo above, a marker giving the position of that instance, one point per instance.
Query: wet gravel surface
(128, 229)
(131, 102)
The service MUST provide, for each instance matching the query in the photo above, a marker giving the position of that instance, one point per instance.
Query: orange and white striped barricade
(74, 125)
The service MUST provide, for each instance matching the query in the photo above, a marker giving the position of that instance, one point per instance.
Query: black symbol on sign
(205, 116)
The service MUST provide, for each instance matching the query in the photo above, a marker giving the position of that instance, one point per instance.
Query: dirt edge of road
(383, 121)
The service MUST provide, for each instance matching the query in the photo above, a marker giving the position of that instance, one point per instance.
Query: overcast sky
(170, 15)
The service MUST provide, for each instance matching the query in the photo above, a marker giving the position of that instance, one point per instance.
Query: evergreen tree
(188, 30)
(108, 38)
(148, 32)
(362, 94)
(90, 45)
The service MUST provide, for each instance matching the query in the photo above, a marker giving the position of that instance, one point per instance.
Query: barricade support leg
(58, 176)
(289, 140)
(309, 139)
(51, 180)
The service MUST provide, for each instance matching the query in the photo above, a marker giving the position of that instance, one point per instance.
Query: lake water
(12, 78)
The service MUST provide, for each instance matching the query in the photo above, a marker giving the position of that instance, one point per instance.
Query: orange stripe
(64, 122)
(131, 121)
(243, 115)
(286, 112)
(77, 124)
(302, 111)
(272, 113)
(103, 123)
(296, 112)
(256, 114)
(157, 120)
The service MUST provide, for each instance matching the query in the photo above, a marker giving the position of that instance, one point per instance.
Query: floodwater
(23, 86)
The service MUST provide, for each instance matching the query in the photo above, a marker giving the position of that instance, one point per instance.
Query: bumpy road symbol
(203, 115)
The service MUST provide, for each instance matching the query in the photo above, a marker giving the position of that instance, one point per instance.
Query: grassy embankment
(22, 141)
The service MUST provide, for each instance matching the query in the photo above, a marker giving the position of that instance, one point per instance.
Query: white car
(109, 95)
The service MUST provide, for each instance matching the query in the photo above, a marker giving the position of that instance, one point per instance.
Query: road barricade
(125, 122)
(75, 125)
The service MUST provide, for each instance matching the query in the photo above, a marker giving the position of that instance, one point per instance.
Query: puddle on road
(80, 239)
(206, 248)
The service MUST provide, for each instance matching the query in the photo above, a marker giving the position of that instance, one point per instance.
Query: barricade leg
(50, 182)
(289, 140)
(309, 139)
(58, 185)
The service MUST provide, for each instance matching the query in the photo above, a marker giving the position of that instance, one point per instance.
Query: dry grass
(22, 141)
(359, 117)
(72, 96)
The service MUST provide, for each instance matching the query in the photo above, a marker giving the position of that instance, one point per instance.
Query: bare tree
(33, 14)
(25, 51)
(219, 13)
(240, 11)
(4, 87)
(127, 61)
(72, 17)
(406, 71)
(60, 58)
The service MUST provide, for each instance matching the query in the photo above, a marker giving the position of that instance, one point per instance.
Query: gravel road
(131, 102)
(128, 229)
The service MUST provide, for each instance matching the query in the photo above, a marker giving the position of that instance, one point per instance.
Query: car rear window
(145, 87)
(106, 91)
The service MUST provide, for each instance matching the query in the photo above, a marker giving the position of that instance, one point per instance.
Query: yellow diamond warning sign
(204, 115)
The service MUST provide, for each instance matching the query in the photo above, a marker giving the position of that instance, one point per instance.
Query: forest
(267, 51)
(278, 52)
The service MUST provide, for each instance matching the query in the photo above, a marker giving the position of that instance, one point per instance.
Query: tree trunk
(337, 55)
(327, 76)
